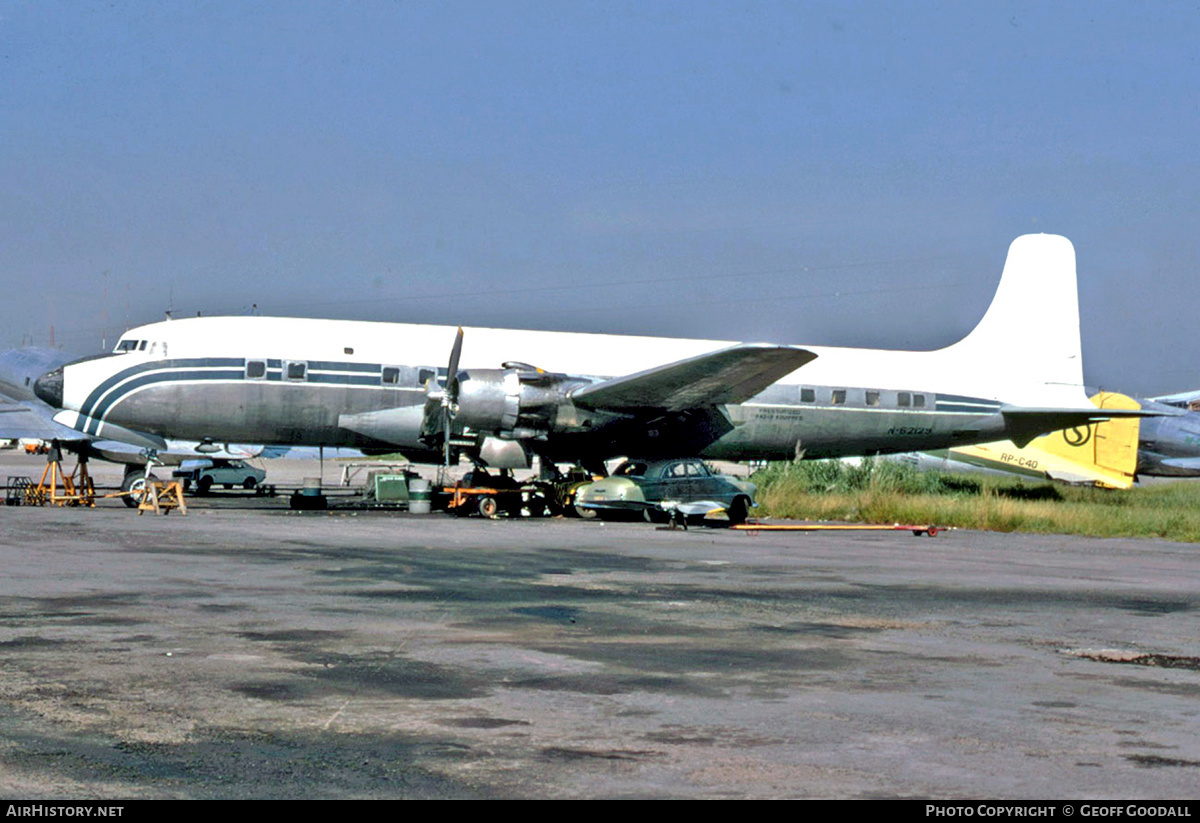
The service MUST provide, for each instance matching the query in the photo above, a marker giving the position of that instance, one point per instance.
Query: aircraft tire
(135, 482)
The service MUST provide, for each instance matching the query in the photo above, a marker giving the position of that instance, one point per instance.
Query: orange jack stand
(77, 488)
(161, 498)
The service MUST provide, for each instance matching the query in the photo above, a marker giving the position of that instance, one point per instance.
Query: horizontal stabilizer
(1027, 424)
(731, 375)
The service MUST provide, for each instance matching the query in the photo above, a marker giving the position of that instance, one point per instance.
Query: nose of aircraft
(49, 388)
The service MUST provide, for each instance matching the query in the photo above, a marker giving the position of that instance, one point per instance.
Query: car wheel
(203, 485)
(249, 484)
(488, 506)
(738, 510)
(586, 513)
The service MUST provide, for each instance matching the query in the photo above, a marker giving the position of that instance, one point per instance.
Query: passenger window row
(869, 397)
(297, 370)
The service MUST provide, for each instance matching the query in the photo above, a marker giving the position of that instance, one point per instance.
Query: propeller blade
(450, 396)
(452, 369)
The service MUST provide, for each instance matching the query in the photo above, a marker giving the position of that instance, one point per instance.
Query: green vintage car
(654, 488)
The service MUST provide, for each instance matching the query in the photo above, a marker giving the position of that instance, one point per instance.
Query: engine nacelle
(513, 402)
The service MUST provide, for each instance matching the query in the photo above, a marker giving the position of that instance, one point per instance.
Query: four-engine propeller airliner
(371, 385)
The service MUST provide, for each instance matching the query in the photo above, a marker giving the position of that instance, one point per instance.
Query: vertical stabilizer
(1029, 337)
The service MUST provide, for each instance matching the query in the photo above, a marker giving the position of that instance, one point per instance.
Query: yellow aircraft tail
(1110, 447)
(1102, 454)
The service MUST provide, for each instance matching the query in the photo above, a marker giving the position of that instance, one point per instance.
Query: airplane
(375, 386)
(27, 420)
(1169, 445)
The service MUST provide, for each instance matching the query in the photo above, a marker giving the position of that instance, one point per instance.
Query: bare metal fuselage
(348, 403)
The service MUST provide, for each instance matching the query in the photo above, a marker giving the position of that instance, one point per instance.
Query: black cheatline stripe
(953, 407)
(962, 403)
(329, 365)
(959, 400)
(98, 392)
(102, 409)
(969, 404)
(218, 362)
(343, 379)
(962, 398)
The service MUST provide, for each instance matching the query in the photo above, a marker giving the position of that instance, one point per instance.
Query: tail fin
(1097, 454)
(1028, 341)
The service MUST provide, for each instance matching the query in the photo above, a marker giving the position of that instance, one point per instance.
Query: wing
(19, 421)
(731, 375)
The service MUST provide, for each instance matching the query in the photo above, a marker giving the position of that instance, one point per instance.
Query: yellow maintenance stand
(76, 486)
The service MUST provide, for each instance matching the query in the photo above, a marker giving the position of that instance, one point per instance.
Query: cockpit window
(127, 345)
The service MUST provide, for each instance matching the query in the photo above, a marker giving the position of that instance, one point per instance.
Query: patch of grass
(878, 491)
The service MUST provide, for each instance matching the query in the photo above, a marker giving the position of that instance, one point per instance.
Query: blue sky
(814, 172)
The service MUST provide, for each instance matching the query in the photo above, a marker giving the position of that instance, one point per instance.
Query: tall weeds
(880, 491)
